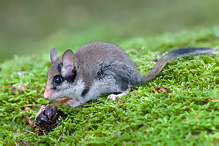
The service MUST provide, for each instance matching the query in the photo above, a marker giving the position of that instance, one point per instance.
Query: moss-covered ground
(187, 115)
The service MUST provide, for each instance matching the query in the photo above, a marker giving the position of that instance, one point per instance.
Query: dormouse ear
(53, 55)
(68, 62)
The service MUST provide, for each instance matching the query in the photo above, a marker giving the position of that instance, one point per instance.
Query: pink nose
(48, 94)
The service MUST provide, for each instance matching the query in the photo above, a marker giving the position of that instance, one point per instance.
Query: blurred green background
(33, 27)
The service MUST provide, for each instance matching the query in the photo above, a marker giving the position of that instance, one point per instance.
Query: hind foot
(114, 96)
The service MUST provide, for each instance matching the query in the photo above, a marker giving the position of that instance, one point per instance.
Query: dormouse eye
(58, 79)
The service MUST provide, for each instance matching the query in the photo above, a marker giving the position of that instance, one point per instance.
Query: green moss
(187, 115)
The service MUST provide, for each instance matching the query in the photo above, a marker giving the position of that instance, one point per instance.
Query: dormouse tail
(182, 52)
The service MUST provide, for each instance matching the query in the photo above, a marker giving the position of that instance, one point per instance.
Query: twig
(191, 72)
(155, 90)
(197, 118)
(76, 139)
(164, 89)
(61, 135)
(119, 101)
(27, 119)
(31, 105)
(123, 103)
(207, 65)
(185, 86)
(44, 132)
(28, 131)
(191, 103)
(137, 94)
(188, 87)
(212, 142)
(10, 86)
(124, 143)
(24, 142)
(214, 100)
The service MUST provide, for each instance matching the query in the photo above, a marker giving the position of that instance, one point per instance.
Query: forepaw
(74, 103)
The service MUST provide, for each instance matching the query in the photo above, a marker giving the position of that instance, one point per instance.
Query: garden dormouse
(101, 67)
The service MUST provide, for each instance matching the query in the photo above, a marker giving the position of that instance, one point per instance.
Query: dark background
(32, 27)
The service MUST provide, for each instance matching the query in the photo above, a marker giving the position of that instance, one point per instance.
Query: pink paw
(114, 96)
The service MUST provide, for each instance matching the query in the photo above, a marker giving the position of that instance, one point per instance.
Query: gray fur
(97, 56)
(183, 52)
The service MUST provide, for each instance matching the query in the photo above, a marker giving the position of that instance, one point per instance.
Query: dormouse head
(61, 74)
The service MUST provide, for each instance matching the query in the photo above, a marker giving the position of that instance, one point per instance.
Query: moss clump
(187, 115)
